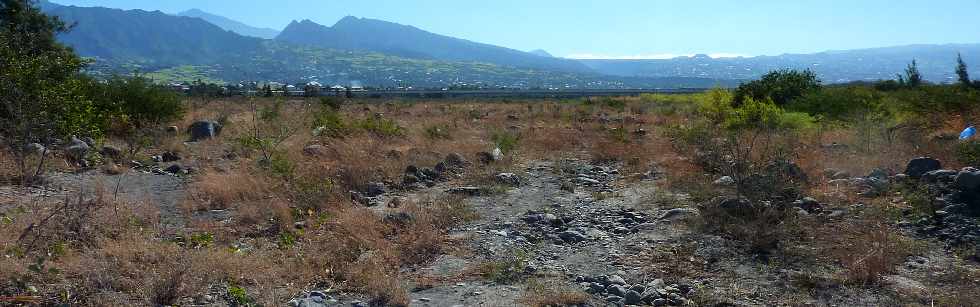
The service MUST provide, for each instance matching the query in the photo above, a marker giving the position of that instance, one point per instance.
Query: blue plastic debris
(969, 132)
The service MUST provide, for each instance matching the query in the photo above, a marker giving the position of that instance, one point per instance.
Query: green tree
(961, 71)
(782, 86)
(912, 77)
(138, 107)
(40, 92)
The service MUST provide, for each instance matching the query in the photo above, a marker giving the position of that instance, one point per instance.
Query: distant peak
(541, 52)
(192, 11)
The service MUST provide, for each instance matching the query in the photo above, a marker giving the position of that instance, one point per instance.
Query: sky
(628, 28)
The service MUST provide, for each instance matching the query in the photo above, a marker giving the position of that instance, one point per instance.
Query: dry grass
(297, 230)
(869, 250)
(542, 293)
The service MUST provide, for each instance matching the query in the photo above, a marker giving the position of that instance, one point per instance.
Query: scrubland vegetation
(283, 198)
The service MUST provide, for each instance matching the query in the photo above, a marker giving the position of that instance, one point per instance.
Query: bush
(331, 103)
(841, 103)
(968, 153)
(381, 127)
(764, 114)
(781, 86)
(438, 132)
(506, 141)
(328, 123)
(136, 101)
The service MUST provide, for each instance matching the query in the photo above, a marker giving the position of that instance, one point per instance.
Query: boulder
(943, 175)
(89, 141)
(455, 160)
(633, 297)
(968, 180)
(488, 157)
(808, 204)
(571, 236)
(617, 280)
(508, 178)
(35, 149)
(175, 169)
(617, 290)
(468, 191)
(77, 149)
(111, 152)
(725, 181)
(374, 189)
(203, 130)
(169, 157)
(920, 166)
(678, 213)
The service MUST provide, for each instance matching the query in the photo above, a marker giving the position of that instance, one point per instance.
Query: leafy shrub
(841, 103)
(715, 105)
(381, 127)
(507, 270)
(239, 296)
(968, 152)
(328, 123)
(331, 103)
(438, 132)
(764, 114)
(137, 102)
(782, 86)
(506, 141)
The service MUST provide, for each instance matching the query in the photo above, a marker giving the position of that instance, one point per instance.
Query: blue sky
(629, 28)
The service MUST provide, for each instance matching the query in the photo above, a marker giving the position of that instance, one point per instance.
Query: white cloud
(655, 56)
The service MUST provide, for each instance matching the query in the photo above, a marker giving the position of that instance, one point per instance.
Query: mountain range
(936, 62)
(352, 33)
(199, 45)
(231, 25)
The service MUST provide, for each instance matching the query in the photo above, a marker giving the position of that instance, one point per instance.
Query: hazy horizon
(632, 29)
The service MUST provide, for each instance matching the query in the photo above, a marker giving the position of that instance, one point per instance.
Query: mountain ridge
(365, 34)
(231, 25)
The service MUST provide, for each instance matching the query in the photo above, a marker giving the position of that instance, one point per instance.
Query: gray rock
(586, 180)
(809, 204)
(678, 213)
(508, 178)
(111, 152)
(374, 189)
(920, 166)
(596, 288)
(617, 280)
(878, 173)
(617, 290)
(468, 191)
(725, 181)
(659, 302)
(571, 236)
(175, 169)
(89, 141)
(77, 149)
(35, 149)
(455, 160)
(943, 175)
(203, 130)
(633, 297)
(169, 157)
(497, 154)
(968, 180)
(615, 299)
(657, 284)
(173, 129)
